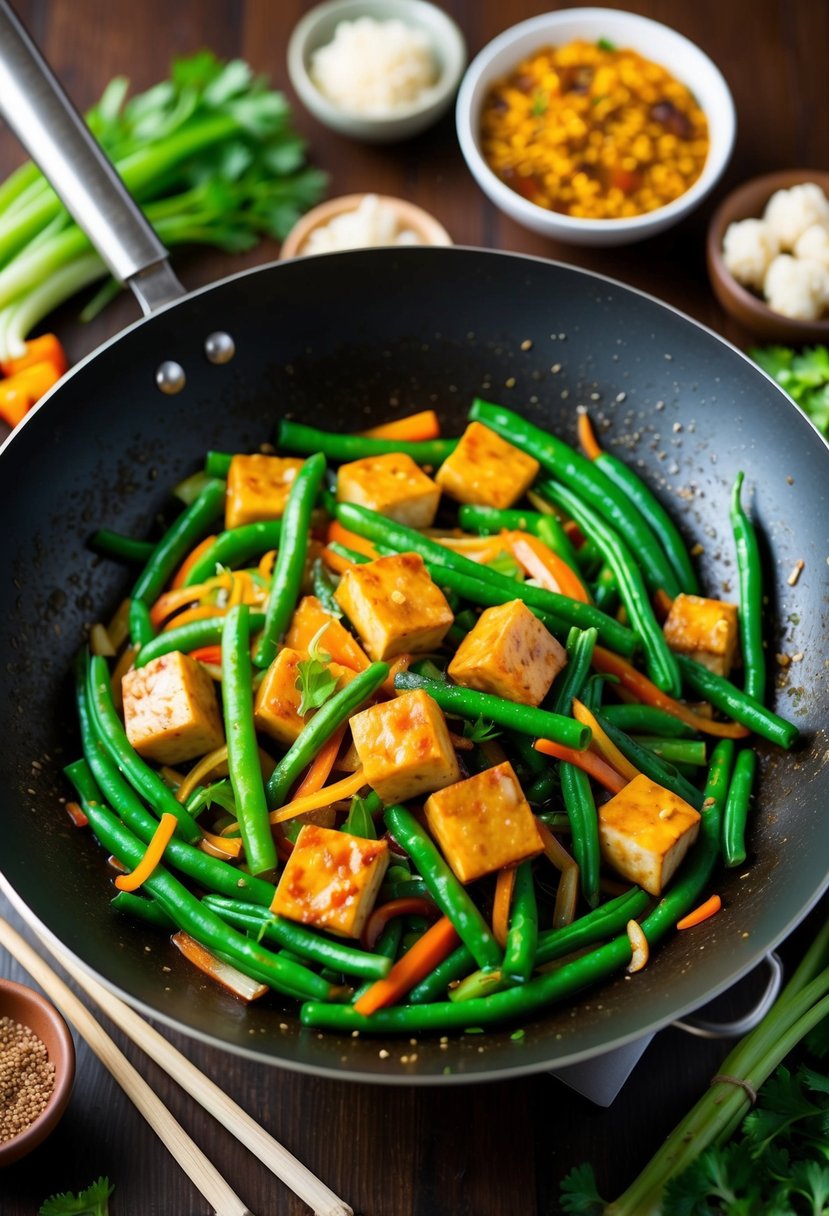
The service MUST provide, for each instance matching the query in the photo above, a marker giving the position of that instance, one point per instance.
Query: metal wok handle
(39, 112)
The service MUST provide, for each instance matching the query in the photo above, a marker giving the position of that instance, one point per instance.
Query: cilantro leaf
(804, 376)
(94, 1201)
(579, 1194)
(220, 793)
(314, 678)
(480, 731)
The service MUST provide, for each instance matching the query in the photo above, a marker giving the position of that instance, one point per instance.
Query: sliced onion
(223, 973)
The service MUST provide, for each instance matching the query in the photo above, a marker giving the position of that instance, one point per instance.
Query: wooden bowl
(30, 1009)
(428, 229)
(748, 202)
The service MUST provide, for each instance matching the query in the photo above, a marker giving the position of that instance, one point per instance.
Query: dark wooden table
(487, 1150)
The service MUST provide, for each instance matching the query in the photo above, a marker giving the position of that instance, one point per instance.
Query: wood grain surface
(484, 1150)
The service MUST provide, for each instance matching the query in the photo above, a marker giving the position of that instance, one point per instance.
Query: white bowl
(654, 41)
(316, 29)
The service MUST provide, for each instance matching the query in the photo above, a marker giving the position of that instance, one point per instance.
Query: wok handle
(52, 131)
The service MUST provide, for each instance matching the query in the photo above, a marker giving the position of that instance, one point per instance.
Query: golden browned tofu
(307, 621)
(276, 708)
(258, 488)
(508, 652)
(393, 485)
(484, 823)
(170, 709)
(394, 606)
(705, 630)
(645, 831)
(404, 747)
(486, 470)
(331, 880)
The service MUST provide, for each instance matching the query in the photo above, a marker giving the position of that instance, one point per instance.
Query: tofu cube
(170, 709)
(331, 880)
(394, 606)
(276, 708)
(258, 488)
(484, 823)
(508, 652)
(306, 623)
(486, 470)
(704, 629)
(645, 831)
(393, 485)
(404, 747)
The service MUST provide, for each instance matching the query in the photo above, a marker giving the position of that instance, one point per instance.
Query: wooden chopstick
(192, 1160)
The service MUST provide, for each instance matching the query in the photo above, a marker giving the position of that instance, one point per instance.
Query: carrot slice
(546, 567)
(592, 764)
(412, 428)
(587, 436)
(335, 562)
(603, 744)
(705, 910)
(152, 856)
(18, 393)
(350, 540)
(320, 767)
(190, 561)
(504, 887)
(415, 965)
(641, 687)
(347, 788)
(406, 905)
(45, 349)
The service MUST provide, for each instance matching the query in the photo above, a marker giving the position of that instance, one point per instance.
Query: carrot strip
(45, 349)
(337, 534)
(504, 887)
(401, 663)
(415, 965)
(198, 612)
(306, 623)
(347, 788)
(412, 428)
(705, 910)
(587, 436)
(480, 549)
(334, 561)
(152, 855)
(408, 905)
(212, 655)
(320, 767)
(662, 604)
(266, 561)
(190, 561)
(603, 744)
(546, 567)
(592, 764)
(641, 687)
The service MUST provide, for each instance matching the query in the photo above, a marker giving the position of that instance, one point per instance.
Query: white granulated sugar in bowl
(374, 67)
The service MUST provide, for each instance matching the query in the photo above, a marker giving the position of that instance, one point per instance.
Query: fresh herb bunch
(210, 154)
(94, 1201)
(804, 375)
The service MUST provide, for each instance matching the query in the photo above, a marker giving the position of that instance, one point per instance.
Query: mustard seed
(27, 1078)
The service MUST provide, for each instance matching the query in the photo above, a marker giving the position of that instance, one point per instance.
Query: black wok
(344, 340)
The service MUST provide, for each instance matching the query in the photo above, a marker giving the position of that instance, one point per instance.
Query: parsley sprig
(94, 1201)
(315, 680)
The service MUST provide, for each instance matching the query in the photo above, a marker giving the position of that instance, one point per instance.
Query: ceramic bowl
(427, 228)
(748, 202)
(316, 29)
(686, 61)
(29, 1008)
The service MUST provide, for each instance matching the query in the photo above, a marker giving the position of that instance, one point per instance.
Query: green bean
(584, 824)
(643, 500)
(533, 761)
(290, 560)
(652, 766)
(302, 941)
(739, 705)
(443, 562)
(139, 774)
(388, 946)
(217, 464)
(649, 719)
(188, 912)
(178, 540)
(140, 626)
(147, 910)
(324, 589)
(242, 750)
(569, 682)
(296, 437)
(124, 548)
(690, 752)
(320, 728)
(234, 548)
(489, 521)
(446, 890)
(479, 985)
(750, 579)
(606, 589)
(522, 935)
(593, 486)
(206, 632)
(736, 807)
(453, 968)
(469, 703)
(541, 789)
(659, 659)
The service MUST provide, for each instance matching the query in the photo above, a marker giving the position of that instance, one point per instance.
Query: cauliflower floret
(748, 249)
(790, 212)
(814, 244)
(797, 287)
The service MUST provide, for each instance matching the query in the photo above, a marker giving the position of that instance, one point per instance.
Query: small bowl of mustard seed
(37, 1069)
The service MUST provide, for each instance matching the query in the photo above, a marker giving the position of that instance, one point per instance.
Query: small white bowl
(428, 230)
(657, 42)
(316, 29)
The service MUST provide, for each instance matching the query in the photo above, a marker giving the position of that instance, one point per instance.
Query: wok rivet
(170, 377)
(219, 347)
